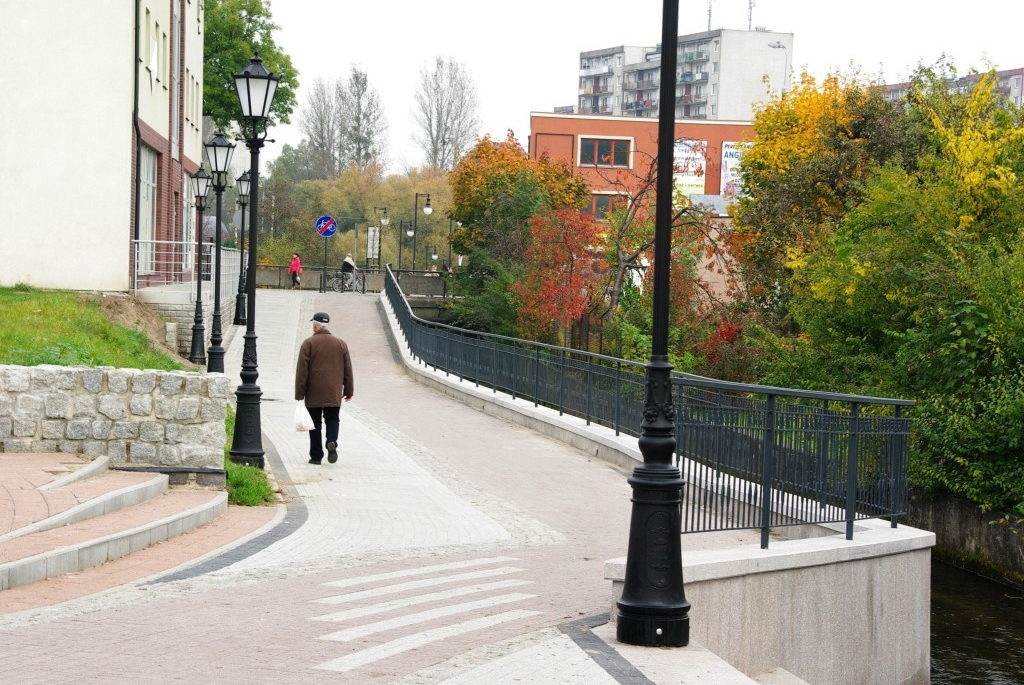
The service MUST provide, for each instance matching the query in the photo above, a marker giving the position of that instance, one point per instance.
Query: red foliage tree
(563, 273)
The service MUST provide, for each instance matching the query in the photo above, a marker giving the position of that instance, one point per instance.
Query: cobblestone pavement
(444, 547)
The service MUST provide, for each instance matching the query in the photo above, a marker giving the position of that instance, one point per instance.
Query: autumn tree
(497, 189)
(813, 148)
(563, 273)
(445, 111)
(917, 291)
(234, 29)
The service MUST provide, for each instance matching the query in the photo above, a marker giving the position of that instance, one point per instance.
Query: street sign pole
(326, 226)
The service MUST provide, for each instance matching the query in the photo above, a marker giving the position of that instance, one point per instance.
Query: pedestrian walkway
(444, 547)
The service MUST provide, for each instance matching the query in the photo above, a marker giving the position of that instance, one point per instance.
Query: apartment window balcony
(587, 91)
(596, 71)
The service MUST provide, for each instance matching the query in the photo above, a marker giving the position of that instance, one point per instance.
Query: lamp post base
(247, 444)
(197, 353)
(239, 310)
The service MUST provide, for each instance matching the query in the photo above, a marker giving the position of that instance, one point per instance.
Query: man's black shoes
(332, 452)
(315, 461)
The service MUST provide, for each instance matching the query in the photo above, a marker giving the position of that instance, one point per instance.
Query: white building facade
(720, 75)
(99, 133)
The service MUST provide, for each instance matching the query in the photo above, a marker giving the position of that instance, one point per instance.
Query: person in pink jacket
(295, 270)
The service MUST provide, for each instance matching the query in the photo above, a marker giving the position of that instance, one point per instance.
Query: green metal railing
(751, 456)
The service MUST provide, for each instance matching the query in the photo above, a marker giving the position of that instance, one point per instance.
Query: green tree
(917, 292)
(234, 29)
(813, 148)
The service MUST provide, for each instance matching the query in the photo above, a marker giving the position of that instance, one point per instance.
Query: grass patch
(247, 485)
(66, 329)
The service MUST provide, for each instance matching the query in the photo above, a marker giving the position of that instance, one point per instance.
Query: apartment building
(102, 124)
(720, 75)
(1010, 84)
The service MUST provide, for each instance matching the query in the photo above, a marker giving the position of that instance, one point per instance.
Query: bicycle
(347, 282)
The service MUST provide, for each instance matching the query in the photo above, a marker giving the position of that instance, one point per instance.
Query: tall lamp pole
(255, 86)
(409, 231)
(384, 221)
(779, 45)
(218, 153)
(200, 186)
(653, 610)
(242, 184)
(427, 209)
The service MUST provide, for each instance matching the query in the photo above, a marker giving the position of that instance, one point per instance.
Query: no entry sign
(326, 226)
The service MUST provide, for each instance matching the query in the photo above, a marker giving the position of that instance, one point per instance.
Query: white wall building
(720, 75)
(93, 91)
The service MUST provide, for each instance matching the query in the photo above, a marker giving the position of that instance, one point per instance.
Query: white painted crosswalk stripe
(404, 644)
(424, 616)
(418, 571)
(417, 584)
(384, 607)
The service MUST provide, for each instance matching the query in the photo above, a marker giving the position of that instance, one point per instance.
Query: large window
(147, 211)
(604, 152)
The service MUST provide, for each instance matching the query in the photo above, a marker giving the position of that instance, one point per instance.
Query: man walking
(323, 378)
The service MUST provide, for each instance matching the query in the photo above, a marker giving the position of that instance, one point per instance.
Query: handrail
(752, 456)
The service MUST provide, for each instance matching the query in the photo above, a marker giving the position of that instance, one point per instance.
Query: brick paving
(444, 547)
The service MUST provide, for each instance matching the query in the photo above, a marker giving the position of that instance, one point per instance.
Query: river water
(977, 630)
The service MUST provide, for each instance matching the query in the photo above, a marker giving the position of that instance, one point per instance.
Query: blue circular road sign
(326, 226)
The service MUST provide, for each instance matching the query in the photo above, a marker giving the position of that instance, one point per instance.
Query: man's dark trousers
(330, 418)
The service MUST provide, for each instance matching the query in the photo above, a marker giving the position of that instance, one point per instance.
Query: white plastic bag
(303, 421)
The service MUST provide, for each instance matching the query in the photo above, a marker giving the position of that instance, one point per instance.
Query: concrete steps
(61, 514)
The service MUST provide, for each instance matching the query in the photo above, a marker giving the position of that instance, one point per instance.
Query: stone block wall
(137, 417)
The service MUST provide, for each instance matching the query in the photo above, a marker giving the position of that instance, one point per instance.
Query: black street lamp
(653, 610)
(427, 209)
(200, 186)
(384, 221)
(242, 184)
(255, 87)
(409, 231)
(450, 222)
(218, 154)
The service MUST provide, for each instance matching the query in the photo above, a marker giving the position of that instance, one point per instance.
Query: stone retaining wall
(135, 417)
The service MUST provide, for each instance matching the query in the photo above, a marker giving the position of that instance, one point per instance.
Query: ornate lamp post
(384, 221)
(427, 209)
(242, 184)
(653, 610)
(200, 186)
(255, 87)
(218, 153)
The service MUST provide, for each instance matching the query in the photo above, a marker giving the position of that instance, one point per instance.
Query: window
(602, 205)
(714, 89)
(714, 67)
(604, 152)
(147, 211)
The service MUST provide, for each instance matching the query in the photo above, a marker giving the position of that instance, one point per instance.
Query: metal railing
(167, 263)
(751, 456)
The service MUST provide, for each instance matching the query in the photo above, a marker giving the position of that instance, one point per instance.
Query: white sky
(523, 55)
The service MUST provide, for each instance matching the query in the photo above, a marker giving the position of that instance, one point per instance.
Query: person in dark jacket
(323, 378)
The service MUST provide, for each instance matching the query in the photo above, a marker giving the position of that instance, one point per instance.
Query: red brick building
(600, 147)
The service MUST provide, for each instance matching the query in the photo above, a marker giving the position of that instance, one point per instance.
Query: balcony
(596, 71)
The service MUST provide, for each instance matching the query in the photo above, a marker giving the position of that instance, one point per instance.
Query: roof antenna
(750, 14)
(709, 14)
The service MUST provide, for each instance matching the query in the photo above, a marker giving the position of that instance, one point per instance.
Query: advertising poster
(732, 155)
(689, 163)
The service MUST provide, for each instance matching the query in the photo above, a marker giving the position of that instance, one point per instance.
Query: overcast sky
(524, 55)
